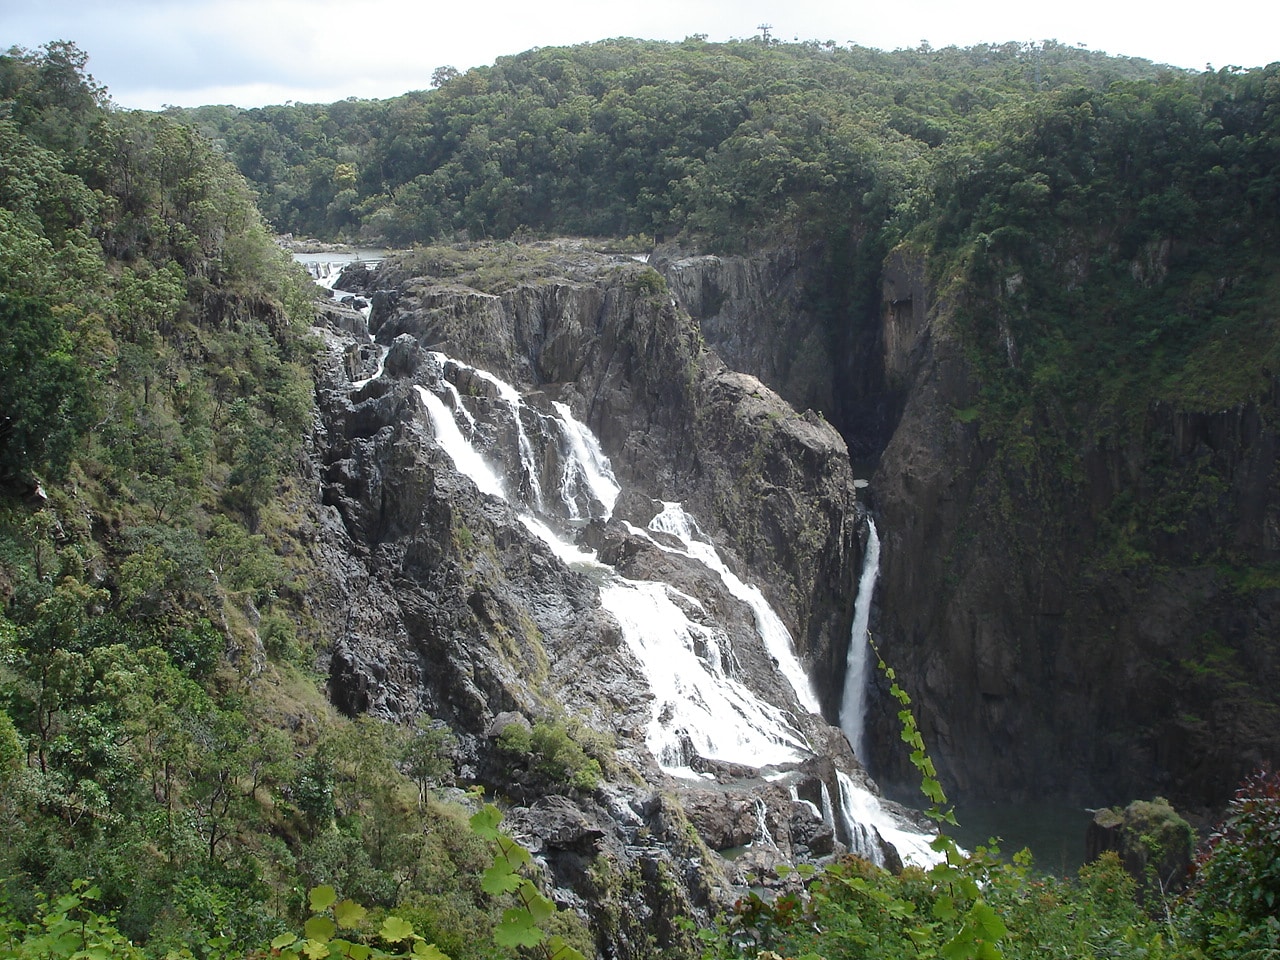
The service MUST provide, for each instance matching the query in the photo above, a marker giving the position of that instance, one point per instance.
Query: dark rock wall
(1037, 669)
(441, 602)
(1043, 667)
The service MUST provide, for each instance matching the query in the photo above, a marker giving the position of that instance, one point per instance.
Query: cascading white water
(585, 463)
(511, 397)
(762, 834)
(796, 798)
(459, 448)
(459, 408)
(382, 364)
(828, 815)
(774, 633)
(862, 810)
(699, 708)
(853, 704)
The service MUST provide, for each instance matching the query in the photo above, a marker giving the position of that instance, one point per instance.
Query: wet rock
(440, 600)
(1152, 840)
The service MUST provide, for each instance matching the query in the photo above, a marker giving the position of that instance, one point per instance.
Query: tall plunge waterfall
(853, 704)
(550, 468)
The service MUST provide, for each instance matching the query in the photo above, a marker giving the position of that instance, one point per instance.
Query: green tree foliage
(133, 267)
(627, 137)
(549, 756)
(1236, 894)
(45, 402)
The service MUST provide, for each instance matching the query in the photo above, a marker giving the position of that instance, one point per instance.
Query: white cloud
(251, 52)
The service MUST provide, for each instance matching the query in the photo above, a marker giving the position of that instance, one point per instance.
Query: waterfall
(762, 827)
(774, 633)
(510, 396)
(699, 708)
(794, 791)
(865, 818)
(585, 464)
(382, 363)
(459, 408)
(465, 457)
(853, 704)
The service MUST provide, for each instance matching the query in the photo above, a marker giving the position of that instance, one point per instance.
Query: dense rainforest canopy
(627, 137)
(161, 730)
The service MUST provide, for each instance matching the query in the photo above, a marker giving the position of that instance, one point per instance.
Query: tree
(425, 755)
(45, 402)
(442, 75)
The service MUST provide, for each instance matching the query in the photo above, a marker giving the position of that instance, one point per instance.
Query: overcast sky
(254, 52)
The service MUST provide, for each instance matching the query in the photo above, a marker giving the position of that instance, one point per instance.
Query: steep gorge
(462, 589)
(1042, 665)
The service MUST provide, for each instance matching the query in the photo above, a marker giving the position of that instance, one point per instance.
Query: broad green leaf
(315, 949)
(322, 898)
(319, 928)
(960, 947)
(988, 921)
(559, 950)
(283, 940)
(513, 853)
(517, 930)
(359, 951)
(499, 879)
(944, 908)
(348, 914)
(395, 929)
(485, 822)
(428, 951)
(539, 907)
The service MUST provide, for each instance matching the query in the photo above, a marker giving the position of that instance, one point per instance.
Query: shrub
(1235, 898)
(551, 754)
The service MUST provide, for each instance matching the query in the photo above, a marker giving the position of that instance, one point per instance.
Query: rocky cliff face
(1041, 663)
(460, 588)
(1046, 664)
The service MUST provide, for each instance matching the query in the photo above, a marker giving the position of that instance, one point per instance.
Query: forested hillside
(162, 732)
(1091, 243)
(626, 137)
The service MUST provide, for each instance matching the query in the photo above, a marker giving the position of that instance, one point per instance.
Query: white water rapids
(557, 476)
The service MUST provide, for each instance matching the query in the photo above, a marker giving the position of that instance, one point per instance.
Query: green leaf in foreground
(348, 914)
(322, 898)
(517, 929)
(500, 878)
(395, 930)
(428, 951)
(320, 928)
(485, 822)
